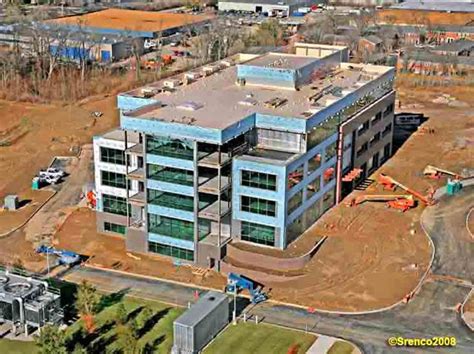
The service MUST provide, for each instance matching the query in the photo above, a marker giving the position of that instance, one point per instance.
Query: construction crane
(402, 202)
(236, 282)
(391, 184)
(436, 173)
(64, 257)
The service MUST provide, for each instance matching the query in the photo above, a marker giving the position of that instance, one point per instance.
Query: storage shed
(200, 323)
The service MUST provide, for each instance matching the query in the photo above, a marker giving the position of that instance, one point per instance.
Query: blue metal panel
(259, 219)
(170, 162)
(170, 187)
(166, 240)
(294, 125)
(100, 30)
(170, 129)
(238, 128)
(172, 213)
(105, 55)
(128, 103)
(267, 76)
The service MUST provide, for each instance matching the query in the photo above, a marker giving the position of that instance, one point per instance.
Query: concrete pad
(321, 345)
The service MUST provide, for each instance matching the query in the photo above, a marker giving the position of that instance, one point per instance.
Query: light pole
(234, 313)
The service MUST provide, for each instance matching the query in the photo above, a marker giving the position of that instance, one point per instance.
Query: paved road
(431, 313)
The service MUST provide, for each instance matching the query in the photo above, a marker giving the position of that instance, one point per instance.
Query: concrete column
(126, 177)
(196, 200)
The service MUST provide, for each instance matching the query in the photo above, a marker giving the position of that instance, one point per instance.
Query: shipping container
(200, 323)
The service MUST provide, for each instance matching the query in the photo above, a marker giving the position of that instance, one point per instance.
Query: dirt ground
(132, 20)
(426, 17)
(29, 201)
(35, 133)
(79, 234)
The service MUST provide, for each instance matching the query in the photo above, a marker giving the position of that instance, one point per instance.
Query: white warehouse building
(265, 6)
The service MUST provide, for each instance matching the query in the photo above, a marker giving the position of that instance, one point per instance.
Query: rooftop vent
(248, 101)
(227, 63)
(171, 83)
(275, 102)
(209, 69)
(148, 92)
(190, 106)
(192, 75)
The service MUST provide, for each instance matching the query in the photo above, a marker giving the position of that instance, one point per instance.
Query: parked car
(52, 172)
(50, 179)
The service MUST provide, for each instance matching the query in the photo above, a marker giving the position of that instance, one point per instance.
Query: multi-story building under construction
(253, 149)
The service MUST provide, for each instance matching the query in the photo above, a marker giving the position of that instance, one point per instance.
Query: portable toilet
(11, 202)
(453, 186)
(35, 184)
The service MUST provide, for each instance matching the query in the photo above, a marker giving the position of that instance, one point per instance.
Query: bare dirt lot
(33, 134)
(29, 202)
(424, 17)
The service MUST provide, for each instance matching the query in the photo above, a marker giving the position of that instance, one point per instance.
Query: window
(180, 229)
(364, 147)
(258, 206)
(170, 200)
(256, 233)
(171, 251)
(363, 128)
(114, 205)
(169, 147)
(377, 118)
(116, 228)
(258, 180)
(295, 202)
(113, 179)
(328, 200)
(329, 174)
(374, 139)
(313, 187)
(295, 176)
(295, 229)
(387, 130)
(114, 156)
(323, 131)
(388, 110)
(170, 175)
(314, 163)
(330, 152)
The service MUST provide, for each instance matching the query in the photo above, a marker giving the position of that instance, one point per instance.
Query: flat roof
(217, 102)
(119, 135)
(426, 5)
(206, 304)
(132, 20)
(281, 61)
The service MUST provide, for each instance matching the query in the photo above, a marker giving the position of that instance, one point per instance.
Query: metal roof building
(437, 5)
(265, 6)
(200, 323)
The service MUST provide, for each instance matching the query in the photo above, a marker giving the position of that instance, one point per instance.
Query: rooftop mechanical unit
(28, 302)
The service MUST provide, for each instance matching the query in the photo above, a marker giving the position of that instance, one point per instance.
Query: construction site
(367, 252)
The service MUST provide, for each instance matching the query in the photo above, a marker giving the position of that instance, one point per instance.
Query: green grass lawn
(155, 329)
(341, 348)
(259, 339)
(17, 347)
